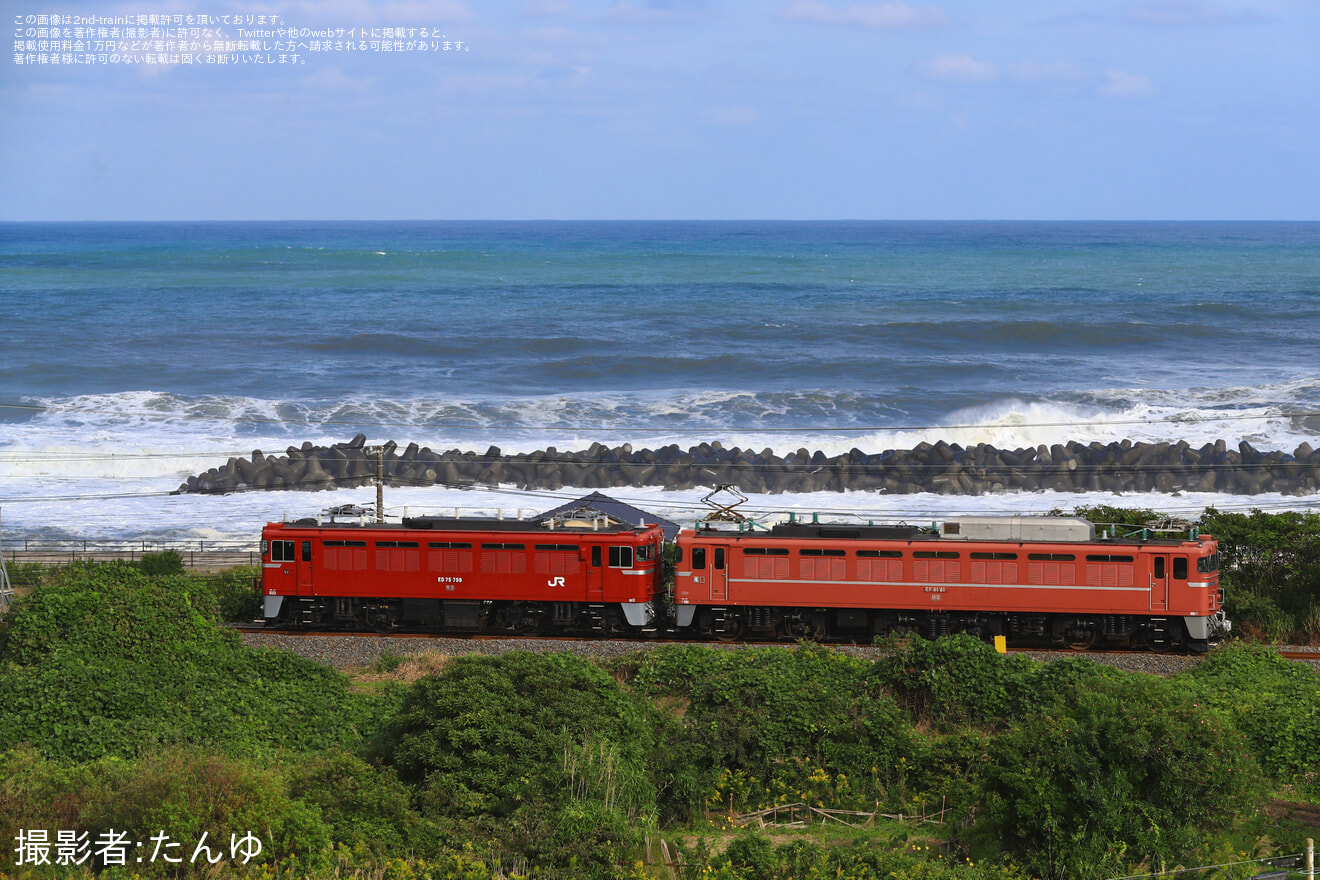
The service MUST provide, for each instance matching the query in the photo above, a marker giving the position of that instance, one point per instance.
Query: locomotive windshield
(1208, 564)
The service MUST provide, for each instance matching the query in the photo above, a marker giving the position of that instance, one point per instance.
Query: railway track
(1289, 652)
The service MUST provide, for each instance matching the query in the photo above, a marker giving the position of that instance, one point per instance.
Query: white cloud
(956, 70)
(1122, 84)
(884, 16)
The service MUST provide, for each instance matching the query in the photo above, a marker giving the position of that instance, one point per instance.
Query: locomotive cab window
(621, 557)
(281, 551)
(1208, 564)
(719, 558)
(595, 556)
(306, 551)
(1180, 568)
(1159, 566)
(698, 558)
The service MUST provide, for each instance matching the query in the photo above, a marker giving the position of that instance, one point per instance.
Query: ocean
(135, 354)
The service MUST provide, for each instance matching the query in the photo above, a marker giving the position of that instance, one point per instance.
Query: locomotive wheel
(1079, 640)
(732, 631)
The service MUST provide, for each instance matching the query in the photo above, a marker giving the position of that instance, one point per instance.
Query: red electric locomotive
(566, 574)
(1032, 579)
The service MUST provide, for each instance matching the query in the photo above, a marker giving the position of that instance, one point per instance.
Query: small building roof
(617, 509)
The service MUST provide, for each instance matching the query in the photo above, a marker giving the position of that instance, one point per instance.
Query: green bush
(1273, 557)
(489, 734)
(1117, 772)
(751, 856)
(366, 808)
(962, 679)
(1273, 702)
(544, 756)
(164, 563)
(769, 725)
(1105, 514)
(180, 792)
(105, 660)
(235, 596)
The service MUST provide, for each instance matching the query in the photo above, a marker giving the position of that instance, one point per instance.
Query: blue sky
(692, 109)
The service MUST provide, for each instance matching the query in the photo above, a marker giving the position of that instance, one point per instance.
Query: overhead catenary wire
(910, 512)
(1081, 466)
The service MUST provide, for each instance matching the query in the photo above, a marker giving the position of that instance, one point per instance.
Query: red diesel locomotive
(1032, 579)
(565, 574)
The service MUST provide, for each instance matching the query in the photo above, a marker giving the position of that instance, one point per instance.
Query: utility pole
(6, 589)
(380, 480)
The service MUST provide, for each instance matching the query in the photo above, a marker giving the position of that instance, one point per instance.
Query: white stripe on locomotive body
(767, 581)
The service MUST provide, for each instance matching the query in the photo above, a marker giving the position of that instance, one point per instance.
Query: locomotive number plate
(448, 580)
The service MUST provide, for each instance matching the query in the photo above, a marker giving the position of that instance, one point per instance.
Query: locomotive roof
(826, 533)
(472, 524)
(847, 530)
(486, 524)
(904, 532)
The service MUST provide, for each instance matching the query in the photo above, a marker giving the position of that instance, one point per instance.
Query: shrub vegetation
(124, 704)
